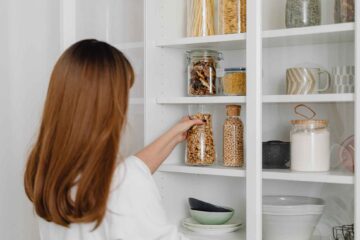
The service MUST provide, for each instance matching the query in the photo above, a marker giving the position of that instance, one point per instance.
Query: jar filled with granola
(232, 16)
(204, 67)
(234, 82)
(200, 18)
(200, 147)
(233, 141)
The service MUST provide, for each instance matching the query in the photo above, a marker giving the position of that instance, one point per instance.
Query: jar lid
(316, 123)
(233, 110)
(241, 69)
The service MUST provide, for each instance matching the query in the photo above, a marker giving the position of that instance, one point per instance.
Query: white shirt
(134, 211)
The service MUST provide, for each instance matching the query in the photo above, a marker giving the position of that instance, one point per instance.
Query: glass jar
(200, 18)
(233, 139)
(344, 11)
(234, 82)
(200, 146)
(302, 13)
(203, 66)
(232, 16)
(310, 145)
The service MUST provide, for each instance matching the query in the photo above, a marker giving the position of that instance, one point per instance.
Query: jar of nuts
(232, 16)
(204, 67)
(200, 147)
(233, 143)
(234, 82)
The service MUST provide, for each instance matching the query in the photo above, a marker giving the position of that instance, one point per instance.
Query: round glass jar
(200, 18)
(310, 145)
(234, 82)
(203, 70)
(232, 16)
(344, 11)
(302, 13)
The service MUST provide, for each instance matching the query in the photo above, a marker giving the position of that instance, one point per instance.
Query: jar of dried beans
(233, 143)
(200, 147)
(234, 82)
(204, 66)
(200, 18)
(232, 16)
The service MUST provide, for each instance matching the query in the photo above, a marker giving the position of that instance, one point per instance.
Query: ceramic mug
(302, 80)
(344, 77)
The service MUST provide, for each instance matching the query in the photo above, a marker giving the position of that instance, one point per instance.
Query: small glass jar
(200, 18)
(204, 66)
(234, 82)
(232, 16)
(310, 145)
(200, 146)
(303, 13)
(344, 11)
(233, 139)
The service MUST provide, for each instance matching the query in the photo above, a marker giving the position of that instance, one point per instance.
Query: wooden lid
(233, 110)
(316, 123)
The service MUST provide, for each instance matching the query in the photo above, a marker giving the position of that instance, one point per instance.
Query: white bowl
(290, 217)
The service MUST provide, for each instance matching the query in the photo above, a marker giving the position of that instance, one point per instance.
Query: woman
(80, 188)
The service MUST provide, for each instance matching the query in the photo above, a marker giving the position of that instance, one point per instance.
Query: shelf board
(129, 45)
(220, 42)
(209, 170)
(321, 177)
(333, 33)
(201, 100)
(238, 235)
(321, 98)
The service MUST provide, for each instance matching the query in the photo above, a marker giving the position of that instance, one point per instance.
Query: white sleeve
(135, 210)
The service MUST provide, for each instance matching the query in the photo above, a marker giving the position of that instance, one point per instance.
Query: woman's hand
(180, 129)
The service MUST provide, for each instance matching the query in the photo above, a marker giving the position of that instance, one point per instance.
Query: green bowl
(211, 218)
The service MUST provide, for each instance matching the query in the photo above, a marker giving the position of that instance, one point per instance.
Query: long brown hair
(78, 142)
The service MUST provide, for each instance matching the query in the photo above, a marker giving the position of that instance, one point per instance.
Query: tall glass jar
(310, 145)
(233, 140)
(344, 11)
(200, 146)
(204, 66)
(303, 13)
(232, 16)
(200, 18)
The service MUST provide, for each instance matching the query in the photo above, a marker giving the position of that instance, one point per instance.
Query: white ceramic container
(290, 217)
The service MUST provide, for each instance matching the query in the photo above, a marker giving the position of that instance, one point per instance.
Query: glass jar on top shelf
(204, 67)
(200, 18)
(303, 13)
(232, 16)
(344, 11)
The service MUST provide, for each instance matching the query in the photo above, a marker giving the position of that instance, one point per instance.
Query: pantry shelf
(344, 97)
(321, 177)
(332, 33)
(219, 42)
(209, 170)
(239, 235)
(200, 100)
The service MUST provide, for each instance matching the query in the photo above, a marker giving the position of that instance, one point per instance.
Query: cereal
(200, 142)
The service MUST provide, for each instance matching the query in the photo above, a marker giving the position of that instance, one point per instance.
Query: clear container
(200, 18)
(234, 82)
(303, 13)
(310, 145)
(200, 146)
(344, 11)
(232, 16)
(233, 139)
(204, 66)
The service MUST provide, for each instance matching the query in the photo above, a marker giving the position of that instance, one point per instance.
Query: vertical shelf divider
(254, 121)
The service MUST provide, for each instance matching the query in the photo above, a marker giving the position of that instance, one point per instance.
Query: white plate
(211, 231)
(189, 222)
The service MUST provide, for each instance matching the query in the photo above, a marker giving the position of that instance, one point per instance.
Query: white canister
(310, 145)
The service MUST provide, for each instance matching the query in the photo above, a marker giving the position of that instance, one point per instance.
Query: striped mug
(302, 80)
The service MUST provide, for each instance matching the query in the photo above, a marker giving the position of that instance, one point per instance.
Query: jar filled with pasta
(232, 16)
(200, 18)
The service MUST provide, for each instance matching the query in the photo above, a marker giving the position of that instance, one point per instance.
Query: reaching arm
(154, 154)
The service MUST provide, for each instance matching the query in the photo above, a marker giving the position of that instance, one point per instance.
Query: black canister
(276, 155)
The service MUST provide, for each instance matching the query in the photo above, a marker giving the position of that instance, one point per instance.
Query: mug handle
(328, 81)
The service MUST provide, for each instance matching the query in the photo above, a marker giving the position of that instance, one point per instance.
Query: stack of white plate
(290, 217)
(194, 226)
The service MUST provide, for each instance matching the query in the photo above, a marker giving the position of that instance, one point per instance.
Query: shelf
(332, 33)
(238, 235)
(220, 42)
(321, 177)
(201, 100)
(321, 98)
(129, 45)
(136, 101)
(210, 170)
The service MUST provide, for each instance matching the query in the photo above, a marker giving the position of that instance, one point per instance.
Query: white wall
(29, 46)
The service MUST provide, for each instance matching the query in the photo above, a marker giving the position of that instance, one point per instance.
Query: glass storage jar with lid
(204, 67)
(200, 18)
(310, 144)
(302, 13)
(344, 11)
(200, 146)
(232, 16)
(234, 82)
